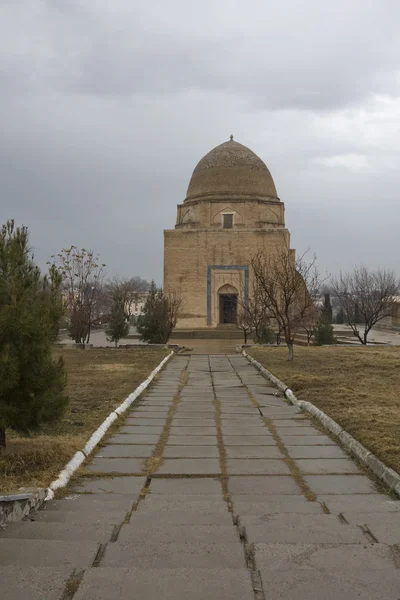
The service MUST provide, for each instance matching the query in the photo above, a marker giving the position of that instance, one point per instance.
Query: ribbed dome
(231, 170)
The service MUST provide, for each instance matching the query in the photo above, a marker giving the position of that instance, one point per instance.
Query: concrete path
(214, 488)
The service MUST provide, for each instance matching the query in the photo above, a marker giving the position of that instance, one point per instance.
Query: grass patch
(99, 380)
(358, 387)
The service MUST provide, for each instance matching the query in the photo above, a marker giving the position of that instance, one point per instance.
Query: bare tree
(310, 323)
(82, 276)
(160, 315)
(244, 321)
(128, 289)
(366, 295)
(288, 288)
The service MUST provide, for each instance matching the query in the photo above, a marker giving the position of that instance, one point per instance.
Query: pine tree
(326, 313)
(323, 333)
(340, 316)
(117, 326)
(31, 382)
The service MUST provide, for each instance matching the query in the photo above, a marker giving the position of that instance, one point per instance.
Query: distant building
(393, 320)
(135, 303)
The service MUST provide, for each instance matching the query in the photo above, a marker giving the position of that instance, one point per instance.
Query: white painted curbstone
(78, 458)
(386, 474)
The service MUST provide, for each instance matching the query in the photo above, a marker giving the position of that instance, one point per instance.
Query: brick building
(231, 211)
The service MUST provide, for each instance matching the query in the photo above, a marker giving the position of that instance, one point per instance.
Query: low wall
(15, 507)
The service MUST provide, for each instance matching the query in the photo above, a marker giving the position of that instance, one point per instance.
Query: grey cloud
(106, 108)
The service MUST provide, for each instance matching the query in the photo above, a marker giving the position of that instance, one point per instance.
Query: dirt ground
(99, 379)
(358, 387)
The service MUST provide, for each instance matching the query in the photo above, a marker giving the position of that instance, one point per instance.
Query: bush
(160, 314)
(323, 334)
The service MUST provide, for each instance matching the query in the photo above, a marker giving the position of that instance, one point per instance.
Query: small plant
(117, 326)
(323, 334)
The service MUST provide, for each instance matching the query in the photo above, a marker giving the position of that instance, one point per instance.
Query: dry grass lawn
(358, 387)
(98, 381)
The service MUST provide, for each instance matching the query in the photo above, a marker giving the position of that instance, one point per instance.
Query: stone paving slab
(240, 410)
(249, 440)
(307, 440)
(117, 465)
(256, 466)
(195, 431)
(167, 533)
(197, 422)
(92, 502)
(331, 585)
(183, 516)
(272, 484)
(251, 509)
(340, 484)
(111, 485)
(134, 438)
(148, 408)
(47, 553)
(348, 503)
(384, 526)
(316, 452)
(322, 557)
(329, 465)
(125, 451)
(196, 485)
(191, 452)
(102, 517)
(142, 429)
(142, 421)
(192, 440)
(150, 554)
(290, 422)
(165, 584)
(192, 410)
(189, 466)
(32, 530)
(283, 430)
(245, 431)
(33, 583)
(310, 529)
(253, 452)
(183, 501)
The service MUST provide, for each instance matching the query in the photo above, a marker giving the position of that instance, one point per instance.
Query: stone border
(15, 507)
(78, 458)
(385, 473)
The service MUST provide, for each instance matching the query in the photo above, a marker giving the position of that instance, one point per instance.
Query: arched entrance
(228, 298)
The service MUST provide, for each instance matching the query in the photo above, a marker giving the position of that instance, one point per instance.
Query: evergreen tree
(117, 326)
(31, 382)
(323, 333)
(326, 313)
(159, 316)
(340, 317)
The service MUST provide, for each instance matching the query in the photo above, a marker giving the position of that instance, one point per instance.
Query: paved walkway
(244, 499)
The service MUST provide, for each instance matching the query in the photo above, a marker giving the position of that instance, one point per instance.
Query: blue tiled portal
(211, 268)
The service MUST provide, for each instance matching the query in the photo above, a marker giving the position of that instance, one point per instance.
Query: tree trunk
(116, 343)
(245, 336)
(2, 438)
(291, 351)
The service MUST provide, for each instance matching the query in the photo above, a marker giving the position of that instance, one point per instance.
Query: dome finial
(231, 137)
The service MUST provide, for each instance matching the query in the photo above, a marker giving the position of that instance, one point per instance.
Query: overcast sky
(106, 106)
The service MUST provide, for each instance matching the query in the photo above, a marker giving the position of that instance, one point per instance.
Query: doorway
(227, 308)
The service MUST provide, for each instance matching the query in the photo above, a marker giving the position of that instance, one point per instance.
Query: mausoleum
(231, 211)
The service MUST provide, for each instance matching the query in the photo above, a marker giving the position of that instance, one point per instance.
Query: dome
(231, 170)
